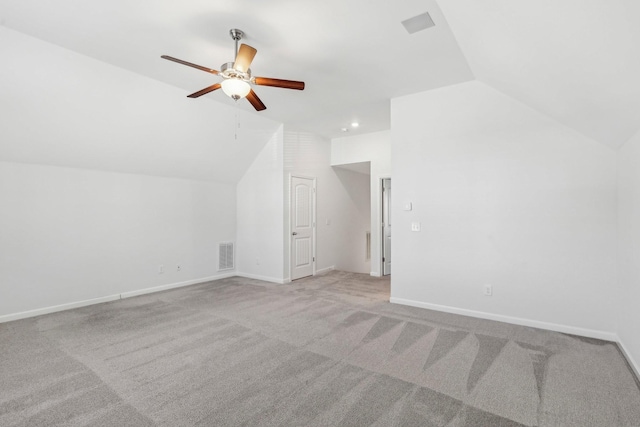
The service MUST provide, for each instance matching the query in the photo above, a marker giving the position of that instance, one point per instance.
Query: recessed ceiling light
(355, 124)
(418, 23)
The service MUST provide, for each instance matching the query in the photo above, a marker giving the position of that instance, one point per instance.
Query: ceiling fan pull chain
(237, 125)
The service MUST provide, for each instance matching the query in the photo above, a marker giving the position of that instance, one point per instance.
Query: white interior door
(386, 226)
(302, 227)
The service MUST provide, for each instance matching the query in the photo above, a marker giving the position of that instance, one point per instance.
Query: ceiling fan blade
(255, 101)
(205, 91)
(287, 84)
(244, 58)
(180, 61)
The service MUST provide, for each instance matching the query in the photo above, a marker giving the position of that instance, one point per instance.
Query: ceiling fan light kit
(236, 76)
(236, 88)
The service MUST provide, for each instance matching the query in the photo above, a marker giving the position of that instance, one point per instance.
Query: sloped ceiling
(577, 61)
(353, 55)
(60, 108)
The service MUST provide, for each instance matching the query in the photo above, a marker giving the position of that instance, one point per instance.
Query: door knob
(294, 233)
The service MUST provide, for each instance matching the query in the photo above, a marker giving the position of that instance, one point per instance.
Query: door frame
(381, 225)
(314, 227)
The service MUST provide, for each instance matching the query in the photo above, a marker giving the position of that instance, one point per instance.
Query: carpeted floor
(322, 351)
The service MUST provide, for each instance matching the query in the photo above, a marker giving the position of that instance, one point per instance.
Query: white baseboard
(174, 285)
(591, 333)
(634, 365)
(375, 274)
(326, 270)
(263, 278)
(108, 298)
(56, 308)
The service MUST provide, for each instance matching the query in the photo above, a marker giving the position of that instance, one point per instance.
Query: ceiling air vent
(225, 256)
(418, 23)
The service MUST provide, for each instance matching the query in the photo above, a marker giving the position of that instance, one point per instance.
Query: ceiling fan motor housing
(228, 72)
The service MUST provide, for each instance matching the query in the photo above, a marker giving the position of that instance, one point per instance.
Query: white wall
(263, 233)
(58, 107)
(260, 211)
(376, 149)
(629, 248)
(507, 197)
(341, 198)
(70, 235)
(70, 232)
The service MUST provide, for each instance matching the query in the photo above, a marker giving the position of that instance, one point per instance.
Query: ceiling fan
(236, 76)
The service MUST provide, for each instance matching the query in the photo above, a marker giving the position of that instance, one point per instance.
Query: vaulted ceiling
(353, 55)
(576, 61)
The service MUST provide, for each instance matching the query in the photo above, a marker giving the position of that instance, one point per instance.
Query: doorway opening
(386, 226)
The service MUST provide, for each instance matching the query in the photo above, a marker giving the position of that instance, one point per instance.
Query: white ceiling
(60, 108)
(361, 167)
(577, 61)
(574, 60)
(353, 55)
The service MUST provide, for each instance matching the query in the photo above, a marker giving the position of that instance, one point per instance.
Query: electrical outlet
(178, 267)
(160, 269)
(488, 290)
(415, 226)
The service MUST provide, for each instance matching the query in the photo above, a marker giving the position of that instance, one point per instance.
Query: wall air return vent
(226, 256)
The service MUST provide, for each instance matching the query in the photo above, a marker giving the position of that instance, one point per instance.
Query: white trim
(626, 353)
(77, 304)
(174, 285)
(374, 274)
(56, 308)
(591, 333)
(326, 270)
(263, 278)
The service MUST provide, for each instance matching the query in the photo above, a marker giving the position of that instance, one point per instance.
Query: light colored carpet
(327, 350)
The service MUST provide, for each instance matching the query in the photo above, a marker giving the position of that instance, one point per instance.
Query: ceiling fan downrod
(236, 35)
